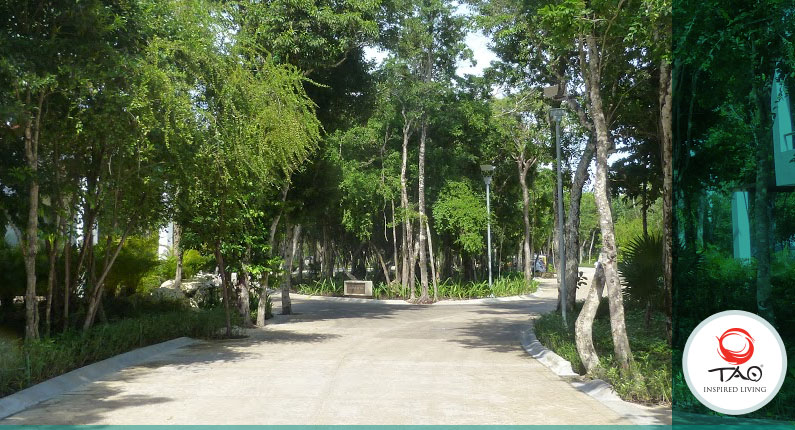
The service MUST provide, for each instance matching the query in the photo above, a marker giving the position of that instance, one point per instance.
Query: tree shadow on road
(102, 398)
(321, 310)
(499, 326)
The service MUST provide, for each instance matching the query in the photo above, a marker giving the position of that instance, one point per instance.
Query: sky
(475, 40)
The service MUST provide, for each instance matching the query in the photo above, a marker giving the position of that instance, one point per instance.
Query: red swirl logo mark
(736, 357)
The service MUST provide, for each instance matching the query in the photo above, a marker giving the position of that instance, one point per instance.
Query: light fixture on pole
(488, 170)
(556, 114)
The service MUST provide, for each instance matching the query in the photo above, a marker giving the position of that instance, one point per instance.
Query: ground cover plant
(650, 350)
(448, 289)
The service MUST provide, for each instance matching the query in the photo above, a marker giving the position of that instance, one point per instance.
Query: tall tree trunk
(763, 137)
(394, 244)
(300, 258)
(95, 298)
(67, 277)
(433, 264)
(245, 311)
(404, 205)
(381, 261)
(523, 168)
(328, 254)
(618, 327)
(30, 240)
(572, 227)
(52, 256)
(178, 253)
(262, 308)
(666, 122)
(423, 261)
(219, 259)
(413, 267)
(645, 209)
(583, 327)
(287, 307)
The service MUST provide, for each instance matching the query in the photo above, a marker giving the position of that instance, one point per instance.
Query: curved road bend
(344, 363)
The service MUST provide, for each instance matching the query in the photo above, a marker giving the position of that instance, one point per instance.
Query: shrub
(642, 270)
(448, 289)
(324, 287)
(193, 262)
(137, 257)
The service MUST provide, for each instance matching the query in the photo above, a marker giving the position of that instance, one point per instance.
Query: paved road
(344, 363)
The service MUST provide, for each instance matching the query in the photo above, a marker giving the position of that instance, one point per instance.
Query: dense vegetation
(281, 156)
(651, 351)
(731, 57)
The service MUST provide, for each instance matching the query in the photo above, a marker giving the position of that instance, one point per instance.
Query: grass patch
(448, 289)
(650, 350)
(28, 363)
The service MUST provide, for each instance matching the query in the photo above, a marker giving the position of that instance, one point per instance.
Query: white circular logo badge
(734, 362)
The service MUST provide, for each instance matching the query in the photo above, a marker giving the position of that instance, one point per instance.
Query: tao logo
(737, 356)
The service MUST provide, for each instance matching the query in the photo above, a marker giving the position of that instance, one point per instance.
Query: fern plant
(642, 270)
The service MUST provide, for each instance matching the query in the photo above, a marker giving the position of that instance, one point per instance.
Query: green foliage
(462, 213)
(136, 259)
(642, 269)
(12, 271)
(324, 287)
(650, 349)
(628, 217)
(23, 365)
(456, 290)
(193, 261)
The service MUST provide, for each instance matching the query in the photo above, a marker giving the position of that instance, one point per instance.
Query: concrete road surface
(344, 363)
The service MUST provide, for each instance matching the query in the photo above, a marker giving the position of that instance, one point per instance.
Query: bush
(137, 258)
(26, 364)
(193, 262)
(642, 269)
(448, 289)
(324, 287)
(650, 350)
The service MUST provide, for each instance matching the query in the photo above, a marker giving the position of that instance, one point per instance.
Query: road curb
(50, 388)
(548, 358)
(596, 388)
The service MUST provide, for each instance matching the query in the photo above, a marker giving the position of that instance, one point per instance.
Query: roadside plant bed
(23, 364)
(650, 351)
(448, 289)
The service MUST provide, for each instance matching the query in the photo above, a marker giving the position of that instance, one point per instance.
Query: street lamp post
(488, 170)
(557, 114)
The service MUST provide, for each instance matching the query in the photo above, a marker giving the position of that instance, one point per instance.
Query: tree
(428, 42)
(524, 136)
(46, 89)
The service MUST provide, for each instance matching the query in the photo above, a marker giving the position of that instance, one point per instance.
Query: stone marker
(359, 288)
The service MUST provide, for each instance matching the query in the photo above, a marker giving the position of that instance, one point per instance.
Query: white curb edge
(596, 388)
(31, 396)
